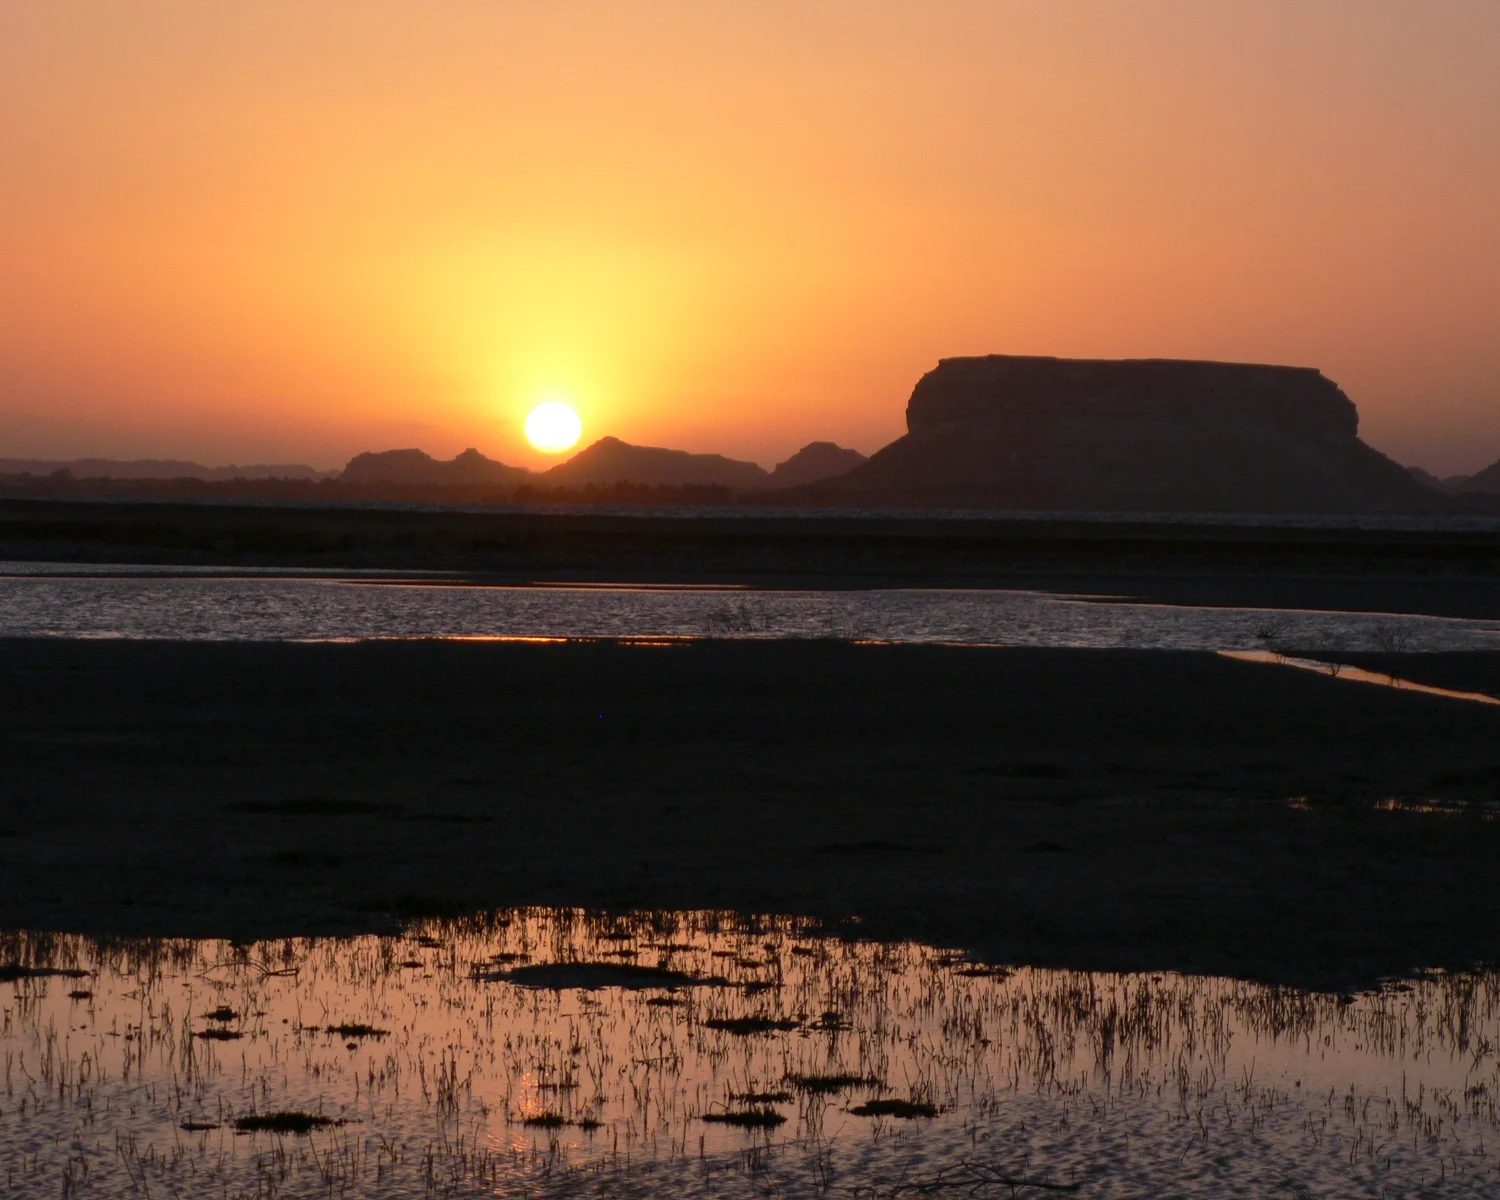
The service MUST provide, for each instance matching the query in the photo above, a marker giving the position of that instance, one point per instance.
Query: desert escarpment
(1136, 435)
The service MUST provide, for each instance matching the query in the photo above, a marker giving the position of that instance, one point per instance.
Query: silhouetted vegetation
(828, 1085)
(355, 1029)
(747, 1118)
(283, 1122)
(906, 1110)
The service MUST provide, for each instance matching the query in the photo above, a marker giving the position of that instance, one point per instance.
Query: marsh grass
(283, 1122)
(1394, 637)
(357, 1029)
(10, 972)
(905, 1110)
(750, 1026)
(738, 619)
(1272, 629)
(828, 1085)
(746, 1118)
(867, 1052)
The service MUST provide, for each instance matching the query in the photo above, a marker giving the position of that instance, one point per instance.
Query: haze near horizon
(292, 234)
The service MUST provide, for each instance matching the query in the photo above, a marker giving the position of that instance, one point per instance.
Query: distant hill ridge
(1486, 481)
(604, 463)
(990, 432)
(157, 468)
(816, 461)
(414, 467)
(609, 460)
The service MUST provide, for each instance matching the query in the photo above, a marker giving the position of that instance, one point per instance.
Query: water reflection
(1354, 674)
(549, 1051)
(281, 609)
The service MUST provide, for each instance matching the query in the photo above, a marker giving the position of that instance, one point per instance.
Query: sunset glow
(553, 427)
(281, 232)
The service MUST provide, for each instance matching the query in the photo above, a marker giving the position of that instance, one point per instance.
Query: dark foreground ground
(1102, 809)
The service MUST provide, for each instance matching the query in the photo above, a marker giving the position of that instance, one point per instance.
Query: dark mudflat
(1103, 809)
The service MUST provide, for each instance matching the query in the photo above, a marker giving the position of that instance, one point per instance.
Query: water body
(463, 1059)
(40, 600)
(1358, 675)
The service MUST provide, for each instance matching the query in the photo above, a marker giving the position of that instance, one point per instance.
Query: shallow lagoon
(45, 600)
(456, 1059)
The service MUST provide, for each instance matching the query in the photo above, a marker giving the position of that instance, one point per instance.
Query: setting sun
(553, 427)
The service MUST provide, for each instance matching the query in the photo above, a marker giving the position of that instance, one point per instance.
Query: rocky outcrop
(609, 461)
(815, 461)
(414, 468)
(1134, 435)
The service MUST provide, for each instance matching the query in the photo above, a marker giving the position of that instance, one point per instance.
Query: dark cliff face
(1132, 435)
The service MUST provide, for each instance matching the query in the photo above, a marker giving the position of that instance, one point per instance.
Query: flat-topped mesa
(1137, 435)
(1166, 397)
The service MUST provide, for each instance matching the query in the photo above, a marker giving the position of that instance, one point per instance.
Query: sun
(553, 427)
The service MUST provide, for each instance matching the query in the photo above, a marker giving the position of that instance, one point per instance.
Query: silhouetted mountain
(609, 461)
(815, 461)
(1486, 481)
(1448, 484)
(413, 467)
(1135, 435)
(156, 468)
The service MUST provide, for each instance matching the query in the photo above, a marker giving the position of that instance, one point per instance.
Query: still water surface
(38, 600)
(462, 1058)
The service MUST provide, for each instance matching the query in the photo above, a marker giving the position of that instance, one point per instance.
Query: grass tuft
(747, 1118)
(282, 1122)
(827, 1085)
(748, 1026)
(906, 1110)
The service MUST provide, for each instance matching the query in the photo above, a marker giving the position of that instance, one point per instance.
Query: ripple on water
(700, 1053)
(267, 608)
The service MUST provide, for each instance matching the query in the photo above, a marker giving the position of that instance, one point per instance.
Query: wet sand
(1094, 809)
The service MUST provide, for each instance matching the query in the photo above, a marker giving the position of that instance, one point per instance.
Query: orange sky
(290, 232)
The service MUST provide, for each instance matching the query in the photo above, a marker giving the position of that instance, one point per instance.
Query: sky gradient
(291, 232)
